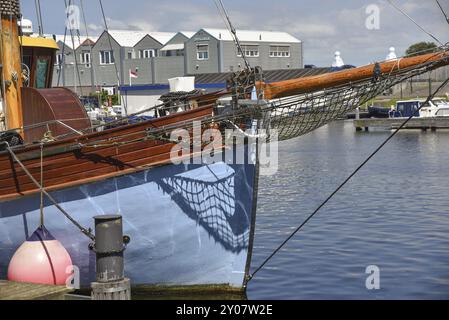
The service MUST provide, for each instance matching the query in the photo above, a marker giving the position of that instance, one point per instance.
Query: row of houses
(150, 58)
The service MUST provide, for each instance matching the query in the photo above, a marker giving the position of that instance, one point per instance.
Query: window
(280, 51)
(130, 54)
(147, 53)
(41, 72)
(249, 51)
(85, 58)
(202, 52)
(106, 57)
(59, 59)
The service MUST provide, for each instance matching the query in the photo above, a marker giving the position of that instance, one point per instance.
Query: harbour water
(394, 214)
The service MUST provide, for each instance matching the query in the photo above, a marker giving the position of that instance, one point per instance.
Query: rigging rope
(429, 98)
(442, 11)
(42, 186)
(233, 31)
(112, 50)
(85, 231)
(90, 46)
(74, 51)
(412, 20)
(37, 4)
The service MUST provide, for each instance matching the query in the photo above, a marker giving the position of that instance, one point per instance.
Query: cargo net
(298, 115)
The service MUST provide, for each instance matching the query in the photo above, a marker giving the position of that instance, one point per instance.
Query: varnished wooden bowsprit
(292, 87)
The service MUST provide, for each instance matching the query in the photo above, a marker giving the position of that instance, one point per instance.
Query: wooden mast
(10, 59)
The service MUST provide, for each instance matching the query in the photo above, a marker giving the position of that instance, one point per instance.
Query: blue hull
(189, 224)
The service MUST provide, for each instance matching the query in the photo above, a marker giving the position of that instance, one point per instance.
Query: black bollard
(109, 246)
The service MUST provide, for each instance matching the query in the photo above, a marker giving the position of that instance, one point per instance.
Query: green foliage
(104, 96)
(420, 48)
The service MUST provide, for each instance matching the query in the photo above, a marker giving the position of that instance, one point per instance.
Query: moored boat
(190, 223)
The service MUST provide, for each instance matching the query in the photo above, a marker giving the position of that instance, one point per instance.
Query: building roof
(77, 40)
(173, 46)
(188, 34)
(129, 38)
(252, 35)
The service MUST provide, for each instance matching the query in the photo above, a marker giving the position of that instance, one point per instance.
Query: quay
(30, 291)
(423, 124)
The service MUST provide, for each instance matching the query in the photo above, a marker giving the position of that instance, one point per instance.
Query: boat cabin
(39, 57)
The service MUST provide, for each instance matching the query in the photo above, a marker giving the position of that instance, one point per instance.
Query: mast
(10, 60)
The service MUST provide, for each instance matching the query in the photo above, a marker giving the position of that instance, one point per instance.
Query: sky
(324, 26)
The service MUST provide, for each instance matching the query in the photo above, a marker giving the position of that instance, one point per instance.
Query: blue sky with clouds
(323, 25)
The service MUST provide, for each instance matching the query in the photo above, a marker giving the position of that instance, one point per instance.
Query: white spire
(391, 55)
(338, 61)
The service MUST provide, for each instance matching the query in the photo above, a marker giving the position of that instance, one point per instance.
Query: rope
(112, 50)
(75, 56)
(90, 45)
(442, 11)
(42, 186)
(37, 4)
(85, 231)
(416, 23)
(430, 97)
(233, 32)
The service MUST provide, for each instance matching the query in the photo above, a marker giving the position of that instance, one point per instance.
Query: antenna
(234, 34)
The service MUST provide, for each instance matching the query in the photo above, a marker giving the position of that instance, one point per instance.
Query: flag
(133, 74)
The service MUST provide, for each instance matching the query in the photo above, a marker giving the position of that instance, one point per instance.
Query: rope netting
(299, 115)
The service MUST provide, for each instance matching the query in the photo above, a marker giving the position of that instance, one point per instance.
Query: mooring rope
(85, 231)
(429, 98)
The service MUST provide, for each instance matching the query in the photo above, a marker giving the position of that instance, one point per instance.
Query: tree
(420, 48)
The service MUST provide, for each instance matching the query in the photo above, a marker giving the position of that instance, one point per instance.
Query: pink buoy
(40, 259)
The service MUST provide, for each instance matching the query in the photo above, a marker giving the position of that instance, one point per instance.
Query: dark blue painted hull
(189, 224)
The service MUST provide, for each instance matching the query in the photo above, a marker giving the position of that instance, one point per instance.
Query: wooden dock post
(109, 246)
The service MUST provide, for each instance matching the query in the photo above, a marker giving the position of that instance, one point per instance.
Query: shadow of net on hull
(213, 205)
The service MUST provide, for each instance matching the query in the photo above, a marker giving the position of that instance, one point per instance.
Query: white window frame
(147, 53)
(109, 54)
(85, 58)
(204, 54)
(249, 53)
(276, 53)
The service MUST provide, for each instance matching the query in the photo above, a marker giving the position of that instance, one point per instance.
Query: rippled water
(394, 214)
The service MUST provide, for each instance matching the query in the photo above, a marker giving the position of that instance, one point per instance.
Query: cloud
(323, 25)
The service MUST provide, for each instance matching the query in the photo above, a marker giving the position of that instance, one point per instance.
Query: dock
(30, 291)
(423, 124)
